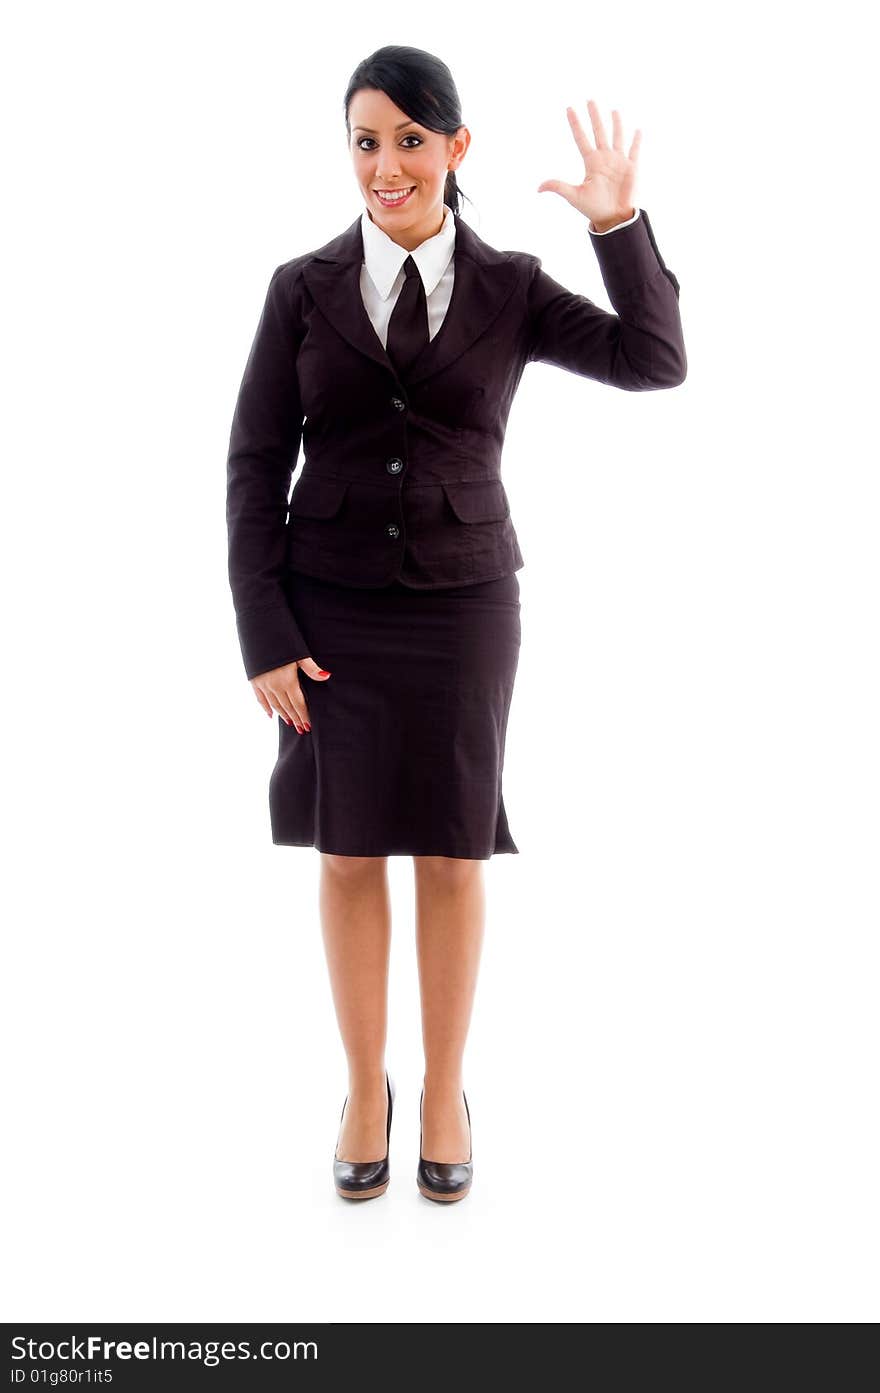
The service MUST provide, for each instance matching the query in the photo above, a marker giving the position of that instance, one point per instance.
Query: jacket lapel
(483, 282)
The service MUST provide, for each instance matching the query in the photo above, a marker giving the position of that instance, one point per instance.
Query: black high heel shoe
(445, 1180)
(364, 1180)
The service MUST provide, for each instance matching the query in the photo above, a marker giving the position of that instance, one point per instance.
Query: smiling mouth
(401, 196)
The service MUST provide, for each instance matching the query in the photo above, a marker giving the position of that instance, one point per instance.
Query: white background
(672, 1062)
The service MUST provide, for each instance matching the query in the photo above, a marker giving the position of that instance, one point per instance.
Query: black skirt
(406, 750)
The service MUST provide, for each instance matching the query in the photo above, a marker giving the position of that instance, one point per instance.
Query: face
(390, 152)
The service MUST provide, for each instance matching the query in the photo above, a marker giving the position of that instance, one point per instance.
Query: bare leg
(356, 924)
(450, 920)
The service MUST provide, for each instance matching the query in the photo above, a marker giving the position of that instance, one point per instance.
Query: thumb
(557, 186)
(311, 669)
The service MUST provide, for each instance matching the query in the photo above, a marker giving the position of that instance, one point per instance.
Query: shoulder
(286, 285)
(525, 262)
(344, 247)
(469, 243)
(286, 276)
(526, 265)
(521, 267)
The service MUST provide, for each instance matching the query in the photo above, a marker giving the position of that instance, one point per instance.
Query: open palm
(606, 193)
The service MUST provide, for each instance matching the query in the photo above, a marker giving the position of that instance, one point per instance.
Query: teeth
(393, 198)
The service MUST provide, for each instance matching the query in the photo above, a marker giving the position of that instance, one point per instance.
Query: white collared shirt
(382, 274)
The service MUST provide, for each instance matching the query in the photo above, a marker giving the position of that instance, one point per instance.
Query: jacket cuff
(608, 231)
(269, 638)
(630, 257)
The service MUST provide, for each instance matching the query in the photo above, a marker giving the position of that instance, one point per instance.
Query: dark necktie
(408, 325)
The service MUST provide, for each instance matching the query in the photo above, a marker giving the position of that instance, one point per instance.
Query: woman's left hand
(606, 194)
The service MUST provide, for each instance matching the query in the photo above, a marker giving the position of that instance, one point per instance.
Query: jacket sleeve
(641, 347)
(263, 448)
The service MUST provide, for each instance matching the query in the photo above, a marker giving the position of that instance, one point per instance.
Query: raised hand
(606, 193)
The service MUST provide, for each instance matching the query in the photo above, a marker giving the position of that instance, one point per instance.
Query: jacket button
(392, 529)
(394, 465)
(398, 403)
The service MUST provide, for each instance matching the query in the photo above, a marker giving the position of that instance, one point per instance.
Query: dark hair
(422, 86)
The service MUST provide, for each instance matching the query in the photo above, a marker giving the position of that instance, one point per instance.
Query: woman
(393, 354)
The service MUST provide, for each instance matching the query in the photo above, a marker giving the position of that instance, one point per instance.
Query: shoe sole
(363, 1194)
(439, 1195)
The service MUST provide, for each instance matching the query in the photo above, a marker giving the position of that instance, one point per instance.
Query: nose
(387, 167)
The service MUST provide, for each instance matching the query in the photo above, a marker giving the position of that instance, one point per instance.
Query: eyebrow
(398, 127)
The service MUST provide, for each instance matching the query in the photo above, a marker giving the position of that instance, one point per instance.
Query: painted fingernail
(286, 721)
(322, 672)
(308, 727)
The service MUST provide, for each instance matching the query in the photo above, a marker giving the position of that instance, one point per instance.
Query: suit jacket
(403, 479)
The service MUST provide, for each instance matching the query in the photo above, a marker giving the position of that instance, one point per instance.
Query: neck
(411, 237)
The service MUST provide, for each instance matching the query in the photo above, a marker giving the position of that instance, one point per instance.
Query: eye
(416, 138)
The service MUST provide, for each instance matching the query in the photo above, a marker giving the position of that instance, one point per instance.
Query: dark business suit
(401, 481)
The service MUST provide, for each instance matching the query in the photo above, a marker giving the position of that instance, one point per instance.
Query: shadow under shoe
(364, 1180)
(445, 1180)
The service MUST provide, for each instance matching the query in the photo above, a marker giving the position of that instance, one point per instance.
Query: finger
(296, 706)
(264, 698)
(636, 146)
(263, 702)
(282, 701)
(617, 128)
(581, 138)
(311, 669)
(598, 128)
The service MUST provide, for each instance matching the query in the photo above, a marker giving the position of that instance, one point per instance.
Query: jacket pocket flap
(483, 500)
(317, 495)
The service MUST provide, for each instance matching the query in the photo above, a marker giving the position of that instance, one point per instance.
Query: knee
(350, 868)
(448, 872)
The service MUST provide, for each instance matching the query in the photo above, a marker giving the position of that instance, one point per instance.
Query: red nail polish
(308, 727)
(323, 672)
